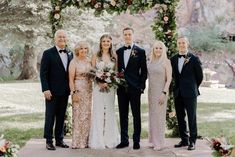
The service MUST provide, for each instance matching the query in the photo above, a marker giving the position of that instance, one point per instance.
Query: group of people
(94, 123)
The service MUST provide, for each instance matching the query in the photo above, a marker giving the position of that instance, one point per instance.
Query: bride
(104, 129)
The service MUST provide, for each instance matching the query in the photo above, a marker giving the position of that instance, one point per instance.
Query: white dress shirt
(63, 57)
(126, 55)
(181, 62)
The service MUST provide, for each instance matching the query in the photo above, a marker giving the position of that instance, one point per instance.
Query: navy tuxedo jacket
(53, 75)
(136, 70)
(188, 81)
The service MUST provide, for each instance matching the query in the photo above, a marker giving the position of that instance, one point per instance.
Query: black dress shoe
(136, 145)
(62, 144)
(122, 145)
(191, 146)
(50, 146)
(181, 144)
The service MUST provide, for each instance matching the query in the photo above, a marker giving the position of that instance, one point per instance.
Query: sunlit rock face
(191, 12)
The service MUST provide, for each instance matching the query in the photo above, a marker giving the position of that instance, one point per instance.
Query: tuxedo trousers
(182, 106)
(132, 97)
(55, 114)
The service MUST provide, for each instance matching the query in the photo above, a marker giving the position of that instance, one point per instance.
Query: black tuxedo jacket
(52, 73)
(188, 81)
(136, 69)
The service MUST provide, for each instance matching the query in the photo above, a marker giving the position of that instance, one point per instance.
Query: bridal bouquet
(105, 75)
(7, 149)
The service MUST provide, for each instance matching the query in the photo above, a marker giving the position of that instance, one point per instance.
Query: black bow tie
(127, 47)
(62, 51)
(181, 56)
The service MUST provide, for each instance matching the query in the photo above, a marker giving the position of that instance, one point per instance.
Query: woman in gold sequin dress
(80, 84)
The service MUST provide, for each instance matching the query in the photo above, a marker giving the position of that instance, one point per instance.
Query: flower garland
(68, 121)
(164, 26)
(111, 6)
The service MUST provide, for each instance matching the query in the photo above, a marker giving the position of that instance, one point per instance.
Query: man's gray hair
(60, 30)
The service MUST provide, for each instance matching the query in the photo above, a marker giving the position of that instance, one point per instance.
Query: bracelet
(73, 92)
(164, 92)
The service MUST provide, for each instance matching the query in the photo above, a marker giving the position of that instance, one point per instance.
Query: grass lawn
(19, 128)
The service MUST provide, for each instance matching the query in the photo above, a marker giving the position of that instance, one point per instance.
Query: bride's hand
(103, 85)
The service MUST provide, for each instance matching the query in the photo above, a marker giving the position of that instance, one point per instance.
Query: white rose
(57, 16)
(113, 3)
(99, 74)
(108, 80)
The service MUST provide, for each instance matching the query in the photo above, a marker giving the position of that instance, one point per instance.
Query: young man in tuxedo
(55, 87)
(187, 75)
(132, 62)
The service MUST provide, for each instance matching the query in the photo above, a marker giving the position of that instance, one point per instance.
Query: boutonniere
(69, 53)
(133, 53)
(186, 60)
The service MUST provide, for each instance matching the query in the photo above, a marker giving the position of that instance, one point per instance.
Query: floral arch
(164, 25)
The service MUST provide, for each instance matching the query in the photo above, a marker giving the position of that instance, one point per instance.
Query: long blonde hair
(163, 56)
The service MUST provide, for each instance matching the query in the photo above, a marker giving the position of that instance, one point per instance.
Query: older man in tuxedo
(187, 75)
(55, 87)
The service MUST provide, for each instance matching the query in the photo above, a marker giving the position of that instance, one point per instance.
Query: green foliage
(68, 121)
(164, 26)
(208, 39)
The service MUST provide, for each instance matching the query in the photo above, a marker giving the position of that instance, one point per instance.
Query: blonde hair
(78, 46)
(163, 56)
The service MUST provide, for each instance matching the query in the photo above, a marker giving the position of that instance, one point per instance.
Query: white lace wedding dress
(104, 129)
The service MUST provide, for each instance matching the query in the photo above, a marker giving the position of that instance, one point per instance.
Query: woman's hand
(162, 99)
(103, 85)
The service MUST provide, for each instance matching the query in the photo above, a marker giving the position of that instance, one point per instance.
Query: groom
(132, 62)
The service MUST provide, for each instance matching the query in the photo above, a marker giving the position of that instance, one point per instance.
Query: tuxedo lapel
(130, 57)
(122, 58)
(176, 65)
(185, 64)
(70, 57)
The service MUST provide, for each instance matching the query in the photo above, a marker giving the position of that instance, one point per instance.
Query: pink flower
(165, 18)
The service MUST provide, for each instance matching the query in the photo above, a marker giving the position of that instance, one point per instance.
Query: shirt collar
(132, 44)
(186, 53)
(58, 49)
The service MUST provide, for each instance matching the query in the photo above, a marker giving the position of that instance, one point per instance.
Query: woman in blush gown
(104, 129)
(81, 85)
(160, 75)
